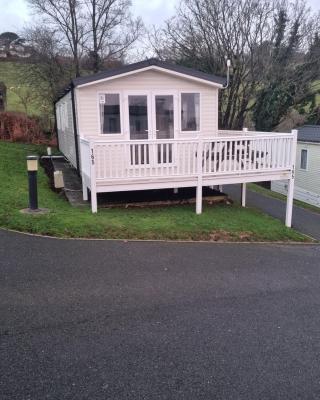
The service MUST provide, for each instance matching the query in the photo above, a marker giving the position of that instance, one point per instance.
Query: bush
(18, 127)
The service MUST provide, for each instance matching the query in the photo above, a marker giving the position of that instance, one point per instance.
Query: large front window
(190, 111)
(110, 113)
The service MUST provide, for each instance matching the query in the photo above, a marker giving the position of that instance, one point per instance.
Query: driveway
(146, 320)
(303, 220)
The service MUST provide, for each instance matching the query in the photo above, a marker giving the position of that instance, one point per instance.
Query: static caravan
(307, 181)
(154, 125)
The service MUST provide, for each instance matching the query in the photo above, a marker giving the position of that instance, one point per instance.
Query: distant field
(11, 73)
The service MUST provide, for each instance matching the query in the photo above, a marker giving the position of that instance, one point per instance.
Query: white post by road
(291, 181)
(199, 185)
(289, 203)
(94, 204)
(243, 194)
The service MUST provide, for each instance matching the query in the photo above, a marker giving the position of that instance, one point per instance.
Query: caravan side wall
(65, 127)
(307, 181)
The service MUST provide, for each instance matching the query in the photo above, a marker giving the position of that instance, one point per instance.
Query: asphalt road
(115, 320)
(303, 220)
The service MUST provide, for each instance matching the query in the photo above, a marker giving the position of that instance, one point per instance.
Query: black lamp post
(32, 166)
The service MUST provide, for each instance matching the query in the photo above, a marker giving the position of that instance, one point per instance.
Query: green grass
(227, 222)
(279, 196)
(11, 73)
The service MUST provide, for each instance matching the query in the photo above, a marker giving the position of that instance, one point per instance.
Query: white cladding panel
(151, 81)
(309, 179)
(307, 182)
(65, 128)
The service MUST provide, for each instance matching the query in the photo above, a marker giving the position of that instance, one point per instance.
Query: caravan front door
(152, 116)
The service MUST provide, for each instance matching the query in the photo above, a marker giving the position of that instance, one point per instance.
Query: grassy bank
(218, 222)
(12, 74)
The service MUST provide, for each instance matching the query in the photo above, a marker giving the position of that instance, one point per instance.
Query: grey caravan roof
(309, 133)
(149, 63)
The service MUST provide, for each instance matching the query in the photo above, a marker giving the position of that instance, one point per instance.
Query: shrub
(18, 127)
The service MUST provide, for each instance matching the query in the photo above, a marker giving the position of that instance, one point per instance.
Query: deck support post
(199, 199)
(199, 185)
(93, 185)
(220, 188)
(243, 194)
(84, 190)
(289, 206)
(94, 203)
(175, 190)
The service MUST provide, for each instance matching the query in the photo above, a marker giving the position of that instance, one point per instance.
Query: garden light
(32, 166)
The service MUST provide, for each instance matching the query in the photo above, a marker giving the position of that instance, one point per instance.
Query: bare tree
(112, 30)
(49, 69)
(25, 96)
(206, 32)
(66, 18)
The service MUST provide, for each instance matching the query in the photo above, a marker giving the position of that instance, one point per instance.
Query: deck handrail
(217, 138)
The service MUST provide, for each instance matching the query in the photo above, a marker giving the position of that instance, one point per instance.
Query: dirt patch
(223, 236)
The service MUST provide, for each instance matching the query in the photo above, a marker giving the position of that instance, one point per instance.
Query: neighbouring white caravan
(154, 125)
(307, 180)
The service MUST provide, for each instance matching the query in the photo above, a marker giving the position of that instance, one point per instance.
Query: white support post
(220, 187)
(289, 203)
(175, 190)
(289, 206)
(84, 190)
(199, 199)
(94, 204)
(199, 185)
(243, 194)
(211, 187)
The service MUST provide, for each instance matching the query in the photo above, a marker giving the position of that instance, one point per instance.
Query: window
(110, 113)
(190, 111)
(304, 159)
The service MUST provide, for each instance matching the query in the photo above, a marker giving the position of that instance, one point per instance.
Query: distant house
(307, 175)
(12, 46)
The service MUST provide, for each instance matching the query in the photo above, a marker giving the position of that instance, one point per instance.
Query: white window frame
(163, 92)
(137, 92)
(307, 161)
(197, 132)
(111, 135)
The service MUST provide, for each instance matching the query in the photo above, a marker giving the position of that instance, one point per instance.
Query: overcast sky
(14, 13)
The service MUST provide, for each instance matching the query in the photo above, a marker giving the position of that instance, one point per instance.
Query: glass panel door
(164, 118)
(139, 128)
(138, 117)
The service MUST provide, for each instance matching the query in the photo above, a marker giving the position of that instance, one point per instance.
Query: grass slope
(11, 73)
(181, 222)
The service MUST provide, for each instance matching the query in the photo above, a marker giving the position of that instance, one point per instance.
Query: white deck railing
(225, 154)
(229, 157)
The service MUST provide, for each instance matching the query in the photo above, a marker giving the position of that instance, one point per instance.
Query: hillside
(11, 73)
